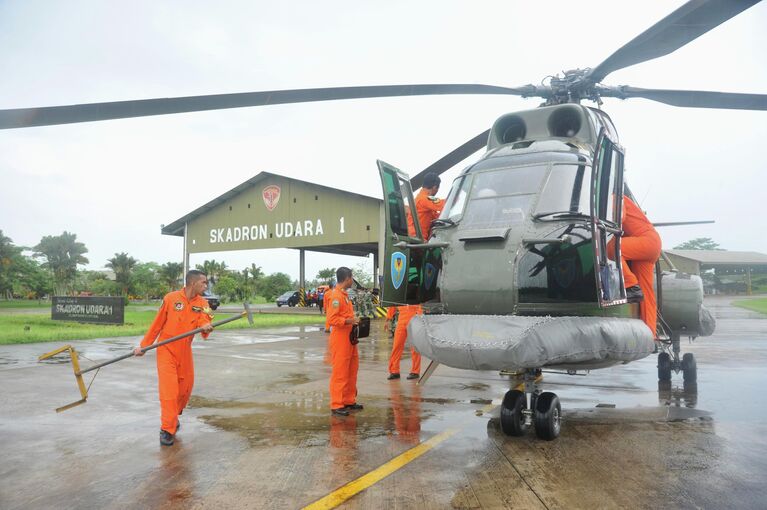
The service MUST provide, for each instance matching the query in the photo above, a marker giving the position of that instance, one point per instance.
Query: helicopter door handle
(549, 240)
(403, 244)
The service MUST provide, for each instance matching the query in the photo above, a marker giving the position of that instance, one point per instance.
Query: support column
(748, 280)
(302, 277)
(376, 279)
(186, 251)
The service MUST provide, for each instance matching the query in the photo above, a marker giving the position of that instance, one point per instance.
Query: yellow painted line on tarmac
(354, 487)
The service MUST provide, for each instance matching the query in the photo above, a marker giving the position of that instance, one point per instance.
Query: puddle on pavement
(196, 401)
(308, 422)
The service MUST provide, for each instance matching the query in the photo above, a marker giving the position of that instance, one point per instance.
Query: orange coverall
(640, 250)
(406, 313)
(175, 368)
(427, 209)
(344, 355)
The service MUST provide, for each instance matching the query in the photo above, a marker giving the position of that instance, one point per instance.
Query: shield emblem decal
(271, 196)
(431, 272)
(398, 267)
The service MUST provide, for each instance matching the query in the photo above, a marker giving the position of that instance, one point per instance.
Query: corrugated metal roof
(177, 227)
(722, 256)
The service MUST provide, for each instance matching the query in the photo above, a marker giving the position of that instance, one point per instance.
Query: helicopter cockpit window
(499, 198)
(456, 199)
(568, 189)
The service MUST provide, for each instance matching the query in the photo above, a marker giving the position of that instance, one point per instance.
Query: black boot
(393, 376)
(166, 438)
(634, 294)
(341, 411)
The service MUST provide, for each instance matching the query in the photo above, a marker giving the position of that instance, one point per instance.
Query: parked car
(213, 301)
(289, 298)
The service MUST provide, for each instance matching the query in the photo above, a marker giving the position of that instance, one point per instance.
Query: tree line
(53, 269)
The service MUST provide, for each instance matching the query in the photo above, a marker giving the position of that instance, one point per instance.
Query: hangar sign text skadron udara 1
(305, 228)
(99, 310)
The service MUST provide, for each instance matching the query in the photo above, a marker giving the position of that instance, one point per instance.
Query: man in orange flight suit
(640, 250)
(181, 311)
(344, 355)
(406, 313)
(428, 207)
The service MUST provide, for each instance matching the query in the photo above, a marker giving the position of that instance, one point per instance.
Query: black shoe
(341, 411)
(166, 438)
(413, 375)
(634, 294)
(355, 407)
(392, 377)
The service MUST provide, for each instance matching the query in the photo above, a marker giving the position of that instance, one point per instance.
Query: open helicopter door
(402, 260)
(606, 213)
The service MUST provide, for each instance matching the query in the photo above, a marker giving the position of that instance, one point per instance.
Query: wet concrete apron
(258, 433)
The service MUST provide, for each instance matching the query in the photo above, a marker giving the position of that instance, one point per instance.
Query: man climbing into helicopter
(427, 206)
(640, 250)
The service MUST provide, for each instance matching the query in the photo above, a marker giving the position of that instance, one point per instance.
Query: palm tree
(170, 273)
(122, 265)
(62, 254)
(213, 269)
(9, 257)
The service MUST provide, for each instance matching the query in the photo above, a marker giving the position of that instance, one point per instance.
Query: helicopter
(555, 250)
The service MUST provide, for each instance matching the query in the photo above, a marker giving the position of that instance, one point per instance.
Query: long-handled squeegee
(79, 373)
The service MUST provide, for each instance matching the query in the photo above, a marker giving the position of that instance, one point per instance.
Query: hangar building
(273, 211)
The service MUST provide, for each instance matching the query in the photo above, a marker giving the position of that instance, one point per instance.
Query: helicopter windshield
(502, 197)
(456, 199)
(567, 193)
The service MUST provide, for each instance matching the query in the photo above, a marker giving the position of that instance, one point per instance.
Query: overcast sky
(114, 183)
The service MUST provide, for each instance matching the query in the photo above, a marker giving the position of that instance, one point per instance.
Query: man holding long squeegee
(181, 311)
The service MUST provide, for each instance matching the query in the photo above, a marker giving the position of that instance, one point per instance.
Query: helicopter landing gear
(670, 361)
(521, 409)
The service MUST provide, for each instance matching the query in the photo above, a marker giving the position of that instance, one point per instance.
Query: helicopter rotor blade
(451, 159)
(681, 223)
(52, 115)
(691, 98)
(685, 24)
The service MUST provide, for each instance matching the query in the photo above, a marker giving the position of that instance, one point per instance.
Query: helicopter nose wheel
(548, 413)
(513, 413)
(522, 409)
(689, 368)
(664, 366)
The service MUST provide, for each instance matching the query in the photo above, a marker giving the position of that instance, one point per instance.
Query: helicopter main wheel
(689, 368)
(512, 416)
(664, 367)
(548, 416)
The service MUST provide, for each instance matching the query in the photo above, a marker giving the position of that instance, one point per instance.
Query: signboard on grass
(98, 310)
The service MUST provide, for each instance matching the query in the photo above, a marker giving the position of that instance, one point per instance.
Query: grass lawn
(757, 305)
(24, 303)
(33, 327)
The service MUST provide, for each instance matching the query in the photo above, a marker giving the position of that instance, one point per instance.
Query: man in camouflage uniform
(363, 303)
